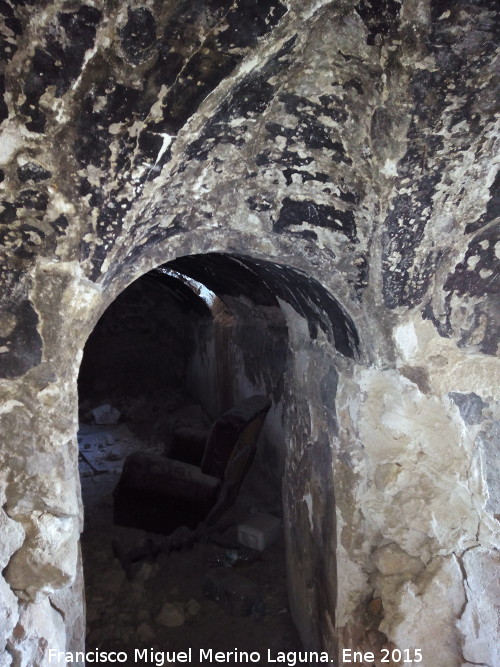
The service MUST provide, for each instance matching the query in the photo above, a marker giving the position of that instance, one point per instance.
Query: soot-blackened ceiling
(264, 283)
(357, 137)
(183, 295)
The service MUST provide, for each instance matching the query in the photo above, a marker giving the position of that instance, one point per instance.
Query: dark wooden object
(161, 494)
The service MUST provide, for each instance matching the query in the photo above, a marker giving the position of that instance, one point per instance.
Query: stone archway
(317, 326)
(43, 507)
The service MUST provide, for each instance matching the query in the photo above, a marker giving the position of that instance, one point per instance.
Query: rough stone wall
(354, 141)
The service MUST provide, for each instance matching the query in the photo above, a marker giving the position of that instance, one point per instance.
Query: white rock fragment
(12, 538)
(105, 414)
(479, 623)
(10, 141)
(406, 340)
(171, 615)
(8, 613)
(146, 571)
(423, 613)
(391, 559)
(47, 560)
(39, 629)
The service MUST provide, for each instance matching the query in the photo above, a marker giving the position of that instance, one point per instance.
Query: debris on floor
(259, 531)
(235, 594)
(104, 414)
(174, 602)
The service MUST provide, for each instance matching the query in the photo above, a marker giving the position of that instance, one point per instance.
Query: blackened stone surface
(479, 273)
(207, 69)
(120, 104)
(184, 296)
(31, 171)
(223, 274)
(461, 42)
(7, 214)
(313, 120)
(380, 16)
(318, 215)
(10, 28)
(22, 347)
(59, 225)
(185, 57)
(139, 34)
(251, 96)
(262, 282)
(309, 129)
(59, 62)
(320, 540)
(234, 29)
(404, 229)
(247, 20)
(4, 112)
(492, 208)
(470, 406)
(33, 199)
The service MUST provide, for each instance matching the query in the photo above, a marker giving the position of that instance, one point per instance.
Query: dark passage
(181, 458)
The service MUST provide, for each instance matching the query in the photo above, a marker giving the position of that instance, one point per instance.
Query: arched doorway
(271, 327)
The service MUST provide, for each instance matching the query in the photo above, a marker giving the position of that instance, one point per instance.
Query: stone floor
(162, 608)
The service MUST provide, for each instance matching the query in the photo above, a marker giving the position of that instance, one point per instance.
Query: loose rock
(171, 615)
(104, 414)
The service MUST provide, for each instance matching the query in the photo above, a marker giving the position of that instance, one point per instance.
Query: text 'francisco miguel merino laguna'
(160, 658)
